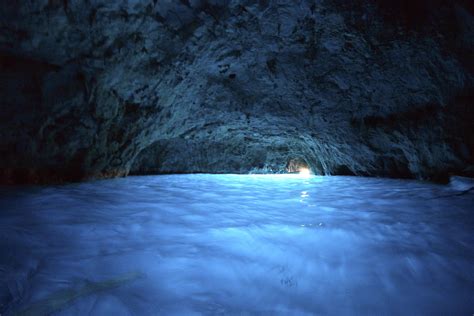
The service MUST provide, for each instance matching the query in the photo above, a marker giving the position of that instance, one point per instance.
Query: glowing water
(228, 244)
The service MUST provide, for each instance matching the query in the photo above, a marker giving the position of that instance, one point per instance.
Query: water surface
(234, 244)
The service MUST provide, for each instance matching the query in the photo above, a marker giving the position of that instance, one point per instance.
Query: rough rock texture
(100, 88)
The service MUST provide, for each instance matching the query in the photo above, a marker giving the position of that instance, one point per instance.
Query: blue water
(237, 245)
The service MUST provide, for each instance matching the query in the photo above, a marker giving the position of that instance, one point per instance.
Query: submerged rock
(102, 89)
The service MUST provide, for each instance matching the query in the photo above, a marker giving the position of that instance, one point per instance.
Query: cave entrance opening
(298, 165)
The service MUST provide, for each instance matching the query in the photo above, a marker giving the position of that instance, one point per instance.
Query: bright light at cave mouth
(305, 172)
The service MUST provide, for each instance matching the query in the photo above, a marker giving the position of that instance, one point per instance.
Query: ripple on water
(230, 244)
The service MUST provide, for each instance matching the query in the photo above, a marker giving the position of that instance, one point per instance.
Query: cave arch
(296, 165)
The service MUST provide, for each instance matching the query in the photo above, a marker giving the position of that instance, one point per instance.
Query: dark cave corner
(365, 88)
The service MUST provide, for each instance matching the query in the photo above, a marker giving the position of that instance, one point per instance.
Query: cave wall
(99, 88)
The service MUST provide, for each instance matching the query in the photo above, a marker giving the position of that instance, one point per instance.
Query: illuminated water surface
(229, 244)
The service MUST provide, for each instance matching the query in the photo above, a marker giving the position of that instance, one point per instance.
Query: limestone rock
(103, 88)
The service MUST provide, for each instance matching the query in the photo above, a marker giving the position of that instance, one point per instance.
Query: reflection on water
(229, 244)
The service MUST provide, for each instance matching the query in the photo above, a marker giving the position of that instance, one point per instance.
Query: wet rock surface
(94, 89)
